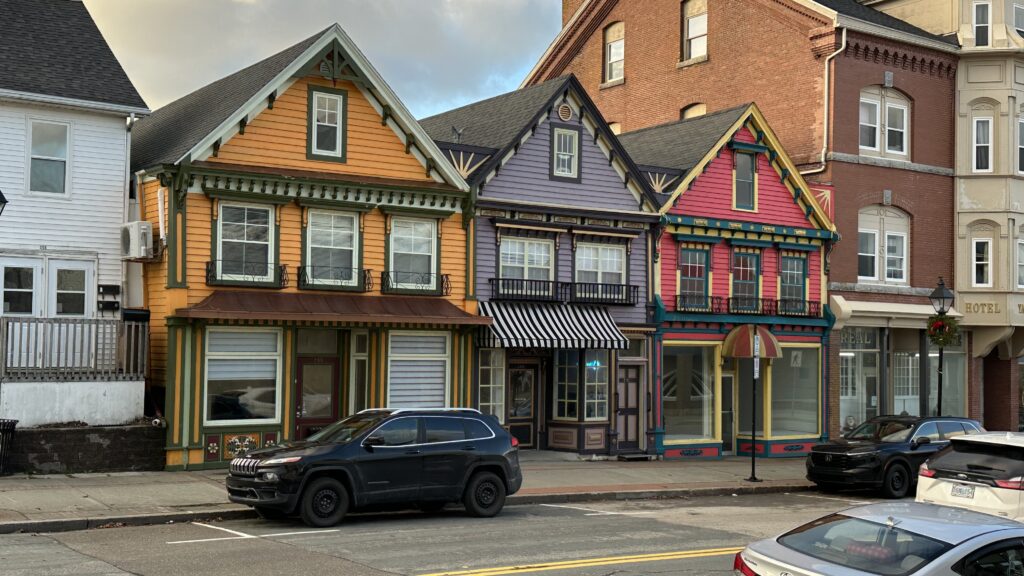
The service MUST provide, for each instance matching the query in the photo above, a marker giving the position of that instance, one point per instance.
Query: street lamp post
(942, 301)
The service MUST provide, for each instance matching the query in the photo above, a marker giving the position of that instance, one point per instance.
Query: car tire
(897, 481)
(485, 495)
(324, 503)
(270, 513)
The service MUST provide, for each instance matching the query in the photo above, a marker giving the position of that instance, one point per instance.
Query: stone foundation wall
(86, 449)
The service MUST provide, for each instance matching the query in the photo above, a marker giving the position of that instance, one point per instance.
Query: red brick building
(864, 105)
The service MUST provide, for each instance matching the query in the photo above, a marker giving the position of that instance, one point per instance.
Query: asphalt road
(600, 538)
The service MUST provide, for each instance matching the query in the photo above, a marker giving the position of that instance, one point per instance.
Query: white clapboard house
(70, 348)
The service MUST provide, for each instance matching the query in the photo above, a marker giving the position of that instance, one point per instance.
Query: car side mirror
(373, 441)
(921, 440)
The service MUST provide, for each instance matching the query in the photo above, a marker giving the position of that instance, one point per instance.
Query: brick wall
(1002, 392)
(87, 449)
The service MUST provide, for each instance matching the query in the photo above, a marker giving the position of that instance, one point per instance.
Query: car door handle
(412, 451)
(468, 448)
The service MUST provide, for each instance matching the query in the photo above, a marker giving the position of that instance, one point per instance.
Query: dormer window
(326, 139)
(565, 153)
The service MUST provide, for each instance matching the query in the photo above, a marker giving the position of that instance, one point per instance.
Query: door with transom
(627, 407)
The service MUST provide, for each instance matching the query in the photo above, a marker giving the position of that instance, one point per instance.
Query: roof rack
(401, 410)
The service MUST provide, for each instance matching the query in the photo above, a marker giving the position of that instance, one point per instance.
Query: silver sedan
(892, 539)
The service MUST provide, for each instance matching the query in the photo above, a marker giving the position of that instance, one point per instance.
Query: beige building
(989, 183)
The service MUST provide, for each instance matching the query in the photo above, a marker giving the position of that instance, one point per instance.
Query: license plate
(962, 491)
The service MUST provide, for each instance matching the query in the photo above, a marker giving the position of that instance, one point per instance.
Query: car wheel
(897, 481)
(431, 506)
(485, 495)
(270, 513)
(324, 503)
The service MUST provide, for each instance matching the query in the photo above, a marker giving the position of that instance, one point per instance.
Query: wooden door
(523, 381)
(317, 401)
(627, 407)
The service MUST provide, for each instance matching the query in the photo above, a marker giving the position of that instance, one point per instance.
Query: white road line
(848, 501)
(212, 539)
(298, 533)
(593, 511)
(243, 536)
(229, 531)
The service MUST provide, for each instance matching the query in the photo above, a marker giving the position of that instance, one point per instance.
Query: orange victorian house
(311, 258)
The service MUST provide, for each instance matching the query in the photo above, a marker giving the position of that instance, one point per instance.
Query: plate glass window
(49, 161)
(18, 290)
(596, 384)
(867, 252)
(794, 390)
(982, 260)
(982, 145)
(332, 248)
(242, 376)
(869, 124)
(566, 161)
(695, 29)
(327, 124)
(614, 52)
(896, 257)
(981, 23)
(413, 246)
(746, 167)
(693, 279)
(896, 129)
(492, 382)
(688, 392)
(245, 243)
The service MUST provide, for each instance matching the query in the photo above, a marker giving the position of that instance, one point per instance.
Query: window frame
(559, 402)
(312, 152)
(597, 385)
(906, 129)
(600, 263)
(526, 265)
(903, 269)
(356, 280)
(88, 270)
(736, 181)
(608, 62)
(68, 126)
(279, 384)
(706, 254)
(435, 259)
(272, 256)
(758, 275)
(803, 275)
(576, 175)
(498, 391)
(987, 25)
(874, 255)
(975, 145)
(877, 104)
(687, 38)
(975, 262)
(39, 297)
(1020, 262)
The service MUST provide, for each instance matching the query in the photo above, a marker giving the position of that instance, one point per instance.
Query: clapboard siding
(87, 223)
(526, 176)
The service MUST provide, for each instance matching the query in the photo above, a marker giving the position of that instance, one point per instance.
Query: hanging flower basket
(943, 330)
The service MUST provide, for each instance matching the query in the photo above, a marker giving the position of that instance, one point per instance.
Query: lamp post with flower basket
(942, 329)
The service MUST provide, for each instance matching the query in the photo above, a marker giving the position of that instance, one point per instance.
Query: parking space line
(243, 536)
(299, 533)
(228, 530)
(594, 511)
(212, 539)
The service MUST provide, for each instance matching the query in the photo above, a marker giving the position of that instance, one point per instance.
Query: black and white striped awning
(533, 325)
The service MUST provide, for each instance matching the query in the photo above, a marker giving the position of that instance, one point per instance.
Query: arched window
(693, 29)
(614, 51)
(883, 245)
(693, 110)
(884, 123)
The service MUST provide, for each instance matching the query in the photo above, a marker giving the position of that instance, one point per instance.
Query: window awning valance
(536, 325)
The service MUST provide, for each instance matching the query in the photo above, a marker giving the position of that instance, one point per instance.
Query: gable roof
(185, 129)
(854, 9)
(680, 145)
(52, 48)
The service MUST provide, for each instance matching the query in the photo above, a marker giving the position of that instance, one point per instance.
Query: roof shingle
(853, 9)
(680, 145)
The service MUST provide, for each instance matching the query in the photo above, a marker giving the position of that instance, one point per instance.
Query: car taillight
(515, 442)
(1016, 483)
(739, 566)
(925, 471)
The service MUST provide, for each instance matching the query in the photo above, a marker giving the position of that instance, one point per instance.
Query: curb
(75, 524)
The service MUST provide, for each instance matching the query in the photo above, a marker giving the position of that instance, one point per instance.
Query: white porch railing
(47, 349)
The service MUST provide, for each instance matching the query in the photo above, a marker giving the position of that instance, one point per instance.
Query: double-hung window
(599, 264)
(981, 256)
(745, 197)
(695, 29)
(48, 172)
(1018, 18)
(413, 254)
(1020, 146)
(896, 129)
(883, 245)
(245, 243)
(867, 254)
(981, 23)
(793, 284)
(565, 145)
(746, 271)
(693, 279)
(327, 124)
(982, 161)
(243, 384)
(869, 124)
(332, 244)
(526, 267)
(614, 52)
(895, 257)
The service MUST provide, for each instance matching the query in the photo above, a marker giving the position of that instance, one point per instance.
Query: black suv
(383, 458)
(884, 452)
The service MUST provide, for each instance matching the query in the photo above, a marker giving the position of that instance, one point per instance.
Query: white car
(982, 472)
(891, 539)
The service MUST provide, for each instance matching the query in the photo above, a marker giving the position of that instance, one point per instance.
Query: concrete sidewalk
(78, 501)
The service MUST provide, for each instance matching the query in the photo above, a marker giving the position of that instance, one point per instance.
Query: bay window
(245, 243)
(332, 248)
(243, 383)
(413, 257)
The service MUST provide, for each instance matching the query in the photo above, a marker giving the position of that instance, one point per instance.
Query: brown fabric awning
(246, 305)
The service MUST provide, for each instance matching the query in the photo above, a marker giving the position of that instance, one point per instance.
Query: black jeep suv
(383, 458)
(884, 452)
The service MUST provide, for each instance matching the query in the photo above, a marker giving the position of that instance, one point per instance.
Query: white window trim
(53, 265)
(337, 152)
(988, 25)
(579, 382)
(271, 242)
(1017, 6)
(356, 269)
(38, 267)
(906, 258)
(974, 261)
(354, 358)
(279, 386)
(67, 161)
(600, 270)
(690, 37)
(974, 145)
(906, 129)
(1020, 143)
(608, 60)
(874, 251)
(878, 125)
(433, 253)
(1020, 261)
(575, 157)
(500, 366)
(526, 266)
(582, 392)
(447, 358)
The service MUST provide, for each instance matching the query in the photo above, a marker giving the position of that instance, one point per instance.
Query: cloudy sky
(437, 54)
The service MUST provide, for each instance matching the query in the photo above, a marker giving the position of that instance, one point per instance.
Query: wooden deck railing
(46, 349)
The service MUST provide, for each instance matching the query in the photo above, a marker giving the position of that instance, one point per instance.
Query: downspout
(828, 77)
(126, 202)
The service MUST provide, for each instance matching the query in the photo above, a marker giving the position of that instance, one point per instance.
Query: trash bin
(6, 442)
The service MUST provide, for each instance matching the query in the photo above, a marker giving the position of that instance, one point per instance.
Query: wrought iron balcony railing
(335, 278)
(700, 304)
(524, 289)
(239, 273)
(594, 293)
(789, 307)
(395, 282)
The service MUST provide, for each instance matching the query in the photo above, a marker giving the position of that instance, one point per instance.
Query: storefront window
(492, 383)
(596, 383)
(858, 376)
(796, 381)
(567, 381)
(242, 376)
(954, 380)
(906, 383)
(745, 374)
(688, 392)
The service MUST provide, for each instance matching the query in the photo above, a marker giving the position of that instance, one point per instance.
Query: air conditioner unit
(137, 240)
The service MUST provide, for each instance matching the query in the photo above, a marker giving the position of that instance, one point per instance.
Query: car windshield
(882, 431)
(347, 429)
(882, 549)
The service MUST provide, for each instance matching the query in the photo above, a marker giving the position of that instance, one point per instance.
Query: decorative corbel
(216, 147)
(497, 238)
(215, 209)
(408, 142)
(362, 221)
(385, 114)
(270, 99)
(277, 214)
(387, 223)
(305, 216)
(440, 226)
(241, 125)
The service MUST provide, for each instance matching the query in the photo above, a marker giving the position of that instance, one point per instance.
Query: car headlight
(863, 455)
(275, 461)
